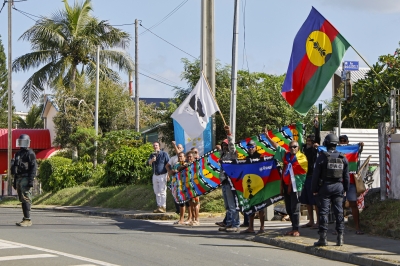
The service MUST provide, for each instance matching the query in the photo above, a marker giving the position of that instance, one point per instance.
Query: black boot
(339, 241)
(322, 241)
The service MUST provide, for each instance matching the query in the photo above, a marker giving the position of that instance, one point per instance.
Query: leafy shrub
(47, 168)
(58, 172)
(128, 166)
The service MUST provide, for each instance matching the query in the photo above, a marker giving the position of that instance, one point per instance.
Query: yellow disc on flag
(207, 174)
(319, 48)
(251, 185)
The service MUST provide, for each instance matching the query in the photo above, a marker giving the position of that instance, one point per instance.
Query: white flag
(194, 112)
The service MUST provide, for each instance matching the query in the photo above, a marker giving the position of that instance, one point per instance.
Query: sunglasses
(293, 147)
(195, 152)
(250, 146)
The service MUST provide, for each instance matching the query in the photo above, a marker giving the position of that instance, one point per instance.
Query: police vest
(20, 164)
(334, 166)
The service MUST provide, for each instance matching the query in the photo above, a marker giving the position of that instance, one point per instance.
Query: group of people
(323, 180)
(164, 168)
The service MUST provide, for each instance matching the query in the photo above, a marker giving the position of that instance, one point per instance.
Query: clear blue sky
(267, 30)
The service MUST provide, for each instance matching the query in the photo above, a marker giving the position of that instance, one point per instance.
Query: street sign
(350, 65)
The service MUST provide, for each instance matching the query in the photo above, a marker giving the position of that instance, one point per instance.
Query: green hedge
(58, 172)
(46, 170)
(128, 166)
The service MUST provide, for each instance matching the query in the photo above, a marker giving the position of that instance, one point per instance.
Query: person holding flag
(228, 152)
(295, 166)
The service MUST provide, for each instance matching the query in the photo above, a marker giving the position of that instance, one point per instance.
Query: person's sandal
(289, 233)
(296, 233)
(247, 231)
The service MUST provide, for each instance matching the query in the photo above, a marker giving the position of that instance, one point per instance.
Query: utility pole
(9, 149)
(234, 67)
(207, 51)
(130, 84)
(136, 78)
(96, 115)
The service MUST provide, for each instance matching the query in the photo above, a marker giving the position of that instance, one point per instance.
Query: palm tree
(33, 118)
(69, 40)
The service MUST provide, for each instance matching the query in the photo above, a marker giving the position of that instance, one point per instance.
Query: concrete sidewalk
(358, 249)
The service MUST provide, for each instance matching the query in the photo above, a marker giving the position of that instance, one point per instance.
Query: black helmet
(331, 140)
(23, 141)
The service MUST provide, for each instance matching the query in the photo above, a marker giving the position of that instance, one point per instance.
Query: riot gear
(23, 167)
(335, 165)
(331, 140)
(23, 141)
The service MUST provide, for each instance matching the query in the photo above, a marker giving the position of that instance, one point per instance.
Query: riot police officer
(24, 167)
(330, 183)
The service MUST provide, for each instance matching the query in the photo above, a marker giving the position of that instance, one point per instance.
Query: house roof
(49, 100)
(40, 138)
(157, 101)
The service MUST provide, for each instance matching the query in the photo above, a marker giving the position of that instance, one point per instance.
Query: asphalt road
(58, 238)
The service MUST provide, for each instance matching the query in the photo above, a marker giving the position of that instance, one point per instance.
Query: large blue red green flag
(352, 155)
(202, 176)
(256, 182)
(318, 49)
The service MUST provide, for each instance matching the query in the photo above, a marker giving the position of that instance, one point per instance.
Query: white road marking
(24, 257)
(98, 262)
(7, 246)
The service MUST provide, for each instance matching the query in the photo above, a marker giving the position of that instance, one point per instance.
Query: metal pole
(207, 53)
(234, 67)
(136, 78)
(339, 117)
(210, 68)
(9, 149)
(96, 115)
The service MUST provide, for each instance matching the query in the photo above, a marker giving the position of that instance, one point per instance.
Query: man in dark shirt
(158, 160)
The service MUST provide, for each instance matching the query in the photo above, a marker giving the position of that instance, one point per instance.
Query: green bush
(47, 168)
(128, 166)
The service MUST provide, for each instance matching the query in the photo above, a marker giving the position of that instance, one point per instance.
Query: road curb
(324, 252)
(127, 214)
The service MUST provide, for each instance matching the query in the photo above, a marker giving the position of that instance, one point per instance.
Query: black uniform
(24, 170)
(330, 188)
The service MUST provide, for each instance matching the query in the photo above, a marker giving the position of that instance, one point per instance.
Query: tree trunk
(73, 77)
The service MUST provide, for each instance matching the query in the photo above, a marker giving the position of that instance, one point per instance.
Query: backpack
(335, 165)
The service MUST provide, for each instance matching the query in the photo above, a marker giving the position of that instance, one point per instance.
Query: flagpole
(370, 67)
(234, 68)
(215, 100)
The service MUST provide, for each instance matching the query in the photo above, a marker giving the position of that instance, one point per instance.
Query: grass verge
(382, 218)
(136, 197)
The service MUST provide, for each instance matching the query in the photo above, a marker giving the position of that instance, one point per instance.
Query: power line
(26, 13)
(123, 24)
(4, 3)
(158, 76)
(160, 81)
(166, 17)
(168, 42)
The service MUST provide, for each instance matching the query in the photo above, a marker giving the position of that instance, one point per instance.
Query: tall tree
(67, 40)
(3, 87)
(369, 103)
